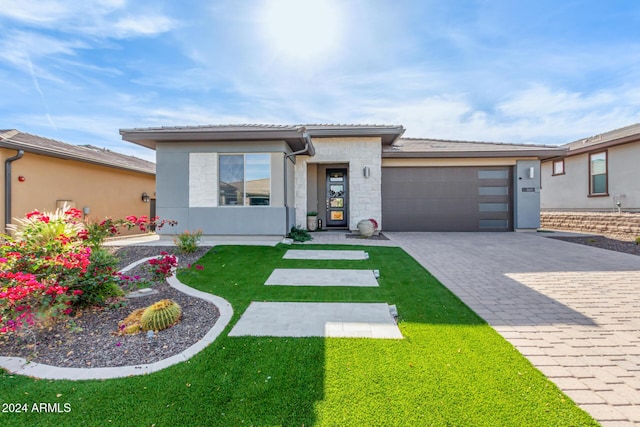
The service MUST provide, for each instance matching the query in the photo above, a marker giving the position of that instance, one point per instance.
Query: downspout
(286, 196)
(308, 148)
(7, 187)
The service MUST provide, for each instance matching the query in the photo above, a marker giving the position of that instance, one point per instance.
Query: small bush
(100, 283)
(187, 242)
(638, 240)
(162, 267)
(299, 234)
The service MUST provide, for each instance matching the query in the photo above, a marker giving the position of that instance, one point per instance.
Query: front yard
(451, 368)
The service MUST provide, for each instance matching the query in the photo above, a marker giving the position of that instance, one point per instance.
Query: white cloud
(16, 47)
(89, 18)
(143, 26)
(540, 99)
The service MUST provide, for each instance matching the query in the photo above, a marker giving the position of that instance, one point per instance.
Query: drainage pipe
(308, 149)
(7, 187)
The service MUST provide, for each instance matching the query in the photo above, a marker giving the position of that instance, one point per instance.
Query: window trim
(606, 166)
(553, 167)
(244, 178)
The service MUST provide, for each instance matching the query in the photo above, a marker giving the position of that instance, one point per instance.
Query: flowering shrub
(95, 233)
(54, 263)
(162, 267)
(24, 297)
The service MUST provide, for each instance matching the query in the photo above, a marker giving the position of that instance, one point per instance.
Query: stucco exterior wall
(364, 193)
(526, 197)
(188, 189)
(107, 192)
(571, 191)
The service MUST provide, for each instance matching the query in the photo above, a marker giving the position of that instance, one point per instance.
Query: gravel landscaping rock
(91, 339)
(605, 242)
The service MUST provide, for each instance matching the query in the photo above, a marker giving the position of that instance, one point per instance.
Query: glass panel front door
(336, 198)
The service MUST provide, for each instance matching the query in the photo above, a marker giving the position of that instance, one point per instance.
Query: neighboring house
(262, 180)
(595, 174)
(44, 174)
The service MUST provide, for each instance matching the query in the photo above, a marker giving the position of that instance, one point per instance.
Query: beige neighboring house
(599, 173)
(43, 174)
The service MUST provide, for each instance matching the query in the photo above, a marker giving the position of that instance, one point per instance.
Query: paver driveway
(572, 310)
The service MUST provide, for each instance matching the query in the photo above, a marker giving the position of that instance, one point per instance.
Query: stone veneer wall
(365, 199)
(593, 222)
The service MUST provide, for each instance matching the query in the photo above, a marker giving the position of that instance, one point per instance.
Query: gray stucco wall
(526, 198)
(172, 193)
(571, 191)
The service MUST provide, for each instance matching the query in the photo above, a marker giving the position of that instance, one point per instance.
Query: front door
(337, 197)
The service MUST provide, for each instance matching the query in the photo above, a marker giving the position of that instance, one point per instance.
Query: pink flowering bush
(163, 266)
(96, 233)
(53, 263)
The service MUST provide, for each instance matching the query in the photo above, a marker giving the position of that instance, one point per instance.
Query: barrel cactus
(161, 315)
(131, 325)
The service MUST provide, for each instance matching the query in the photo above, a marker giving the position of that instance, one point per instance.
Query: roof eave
(388, 134)
(63, 156)
(602, 145)
(540, 154)
(150, 138)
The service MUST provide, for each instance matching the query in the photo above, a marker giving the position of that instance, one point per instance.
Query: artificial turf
(451, 368)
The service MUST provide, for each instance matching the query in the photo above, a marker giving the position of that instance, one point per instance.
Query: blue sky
(537, 71)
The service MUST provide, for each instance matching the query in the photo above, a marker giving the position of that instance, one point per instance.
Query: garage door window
(493, 207)
(493, 191)
(493, 223)
(493, 174)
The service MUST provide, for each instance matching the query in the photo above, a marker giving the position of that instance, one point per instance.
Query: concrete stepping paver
(317, 319)
(322, 277)
(325, 255)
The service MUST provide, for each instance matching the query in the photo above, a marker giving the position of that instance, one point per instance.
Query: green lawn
(451, 369)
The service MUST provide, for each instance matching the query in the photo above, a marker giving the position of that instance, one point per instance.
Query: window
(493, 174)
(244, 179)
(558, 167)
(598, 174)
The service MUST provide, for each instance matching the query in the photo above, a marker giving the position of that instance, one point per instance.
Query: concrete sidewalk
(572, 310)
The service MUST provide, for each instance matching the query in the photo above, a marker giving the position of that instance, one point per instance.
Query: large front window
(244, 180)
(598, 173)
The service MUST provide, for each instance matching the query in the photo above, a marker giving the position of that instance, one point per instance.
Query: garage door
(447, 199)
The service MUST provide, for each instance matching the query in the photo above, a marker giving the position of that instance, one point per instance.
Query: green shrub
(299, 234)
(187, 242)
(99, 283)
(638, 240)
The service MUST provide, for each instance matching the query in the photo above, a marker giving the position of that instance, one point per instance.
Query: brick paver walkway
(572, 310)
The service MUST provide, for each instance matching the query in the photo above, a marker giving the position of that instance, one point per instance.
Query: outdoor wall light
(366, 172)
(532, 173)
(145, 197)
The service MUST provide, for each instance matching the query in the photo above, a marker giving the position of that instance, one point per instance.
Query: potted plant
(312, 220)
(367, 227)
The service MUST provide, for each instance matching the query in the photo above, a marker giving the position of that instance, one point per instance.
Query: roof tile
(84, 153)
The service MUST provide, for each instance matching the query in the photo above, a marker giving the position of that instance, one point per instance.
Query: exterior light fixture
(145, 197)
(366, 172)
